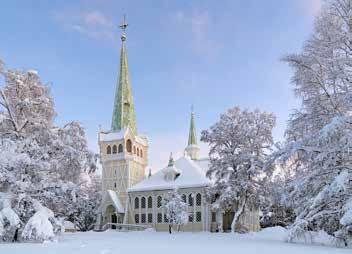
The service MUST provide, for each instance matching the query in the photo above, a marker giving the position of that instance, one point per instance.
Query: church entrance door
(113, 220)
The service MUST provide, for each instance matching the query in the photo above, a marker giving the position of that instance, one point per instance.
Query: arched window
(115, 185)
(198, 199)
(184, 198)
(120, 148)
(150, 202)
(134, 150)
(160, 218)
(141, 152)
(137, 151)
(136, 203)
(136, 218)
(143, 218)
(108, 150)
(159, 201)
(129, 146)
(150, 218)
(143, 202)
(114, 149)
(198, 216)
(190, 200)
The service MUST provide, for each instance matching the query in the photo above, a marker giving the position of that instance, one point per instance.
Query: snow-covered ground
(111, 242)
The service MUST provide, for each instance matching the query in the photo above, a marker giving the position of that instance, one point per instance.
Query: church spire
(124, 113)
(192, 137)
(192, 148)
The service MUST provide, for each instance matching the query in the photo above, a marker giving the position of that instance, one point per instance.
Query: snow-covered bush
(41, 226)
(239, 145)
(39, 162)
(175, 210)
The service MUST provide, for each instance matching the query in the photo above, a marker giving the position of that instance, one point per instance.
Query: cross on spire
(123, 27)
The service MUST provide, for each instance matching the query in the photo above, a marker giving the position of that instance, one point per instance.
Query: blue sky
(212, 54)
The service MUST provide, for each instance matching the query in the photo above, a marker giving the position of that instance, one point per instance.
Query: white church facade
(131, 197)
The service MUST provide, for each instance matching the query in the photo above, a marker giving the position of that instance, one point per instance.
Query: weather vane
(123, 27)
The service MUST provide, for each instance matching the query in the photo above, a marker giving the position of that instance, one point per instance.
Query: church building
(131, 197)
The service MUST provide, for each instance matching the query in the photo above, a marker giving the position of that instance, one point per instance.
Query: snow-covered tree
(40, 164)
(84, 212)
(239, 143)
(318, 148)
(175, 210)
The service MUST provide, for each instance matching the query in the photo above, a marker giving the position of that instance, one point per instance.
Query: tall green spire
(124, 113)
(192, 137)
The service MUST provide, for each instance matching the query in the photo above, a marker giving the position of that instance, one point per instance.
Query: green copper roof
(124, 113)
(192, 137)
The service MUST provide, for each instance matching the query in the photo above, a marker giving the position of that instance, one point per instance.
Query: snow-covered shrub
(9, 224)
(175, 210)
(40, 227)
(84, 211)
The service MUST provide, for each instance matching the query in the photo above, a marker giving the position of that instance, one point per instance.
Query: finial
(150, 172)
(171, 161)
(192, 109)
(123, 27)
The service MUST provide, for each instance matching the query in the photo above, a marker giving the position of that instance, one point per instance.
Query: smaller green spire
(192, 137)
(171, 161)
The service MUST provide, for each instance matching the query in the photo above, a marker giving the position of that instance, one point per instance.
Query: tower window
(136, 218)
(114, 149)
(129, 146)
(115, 185)
(108, 150)
(141, 152)
(120, 148)
(137, 151)
(134, 150)
(150, 218)
(143, 219)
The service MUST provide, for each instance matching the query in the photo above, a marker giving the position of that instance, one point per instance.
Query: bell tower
(123, 153)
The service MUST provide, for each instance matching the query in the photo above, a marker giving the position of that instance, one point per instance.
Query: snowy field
(181, 243)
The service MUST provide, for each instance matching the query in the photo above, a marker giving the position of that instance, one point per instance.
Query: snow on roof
(113, 136)
(191, 175)
(116, 201)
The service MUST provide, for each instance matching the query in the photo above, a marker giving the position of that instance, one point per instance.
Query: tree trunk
(238, 213)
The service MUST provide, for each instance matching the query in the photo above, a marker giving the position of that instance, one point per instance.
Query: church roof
(191, 175)
(116, 201)
(124, 111)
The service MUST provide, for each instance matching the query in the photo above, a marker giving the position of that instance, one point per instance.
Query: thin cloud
(310, 7)
(198, 25)
(93, 24)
